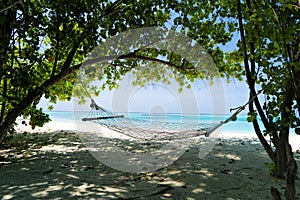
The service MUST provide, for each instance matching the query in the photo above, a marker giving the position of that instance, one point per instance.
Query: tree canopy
(48, 42)
(43, 44)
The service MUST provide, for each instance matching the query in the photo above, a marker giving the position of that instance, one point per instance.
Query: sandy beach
(53, 163)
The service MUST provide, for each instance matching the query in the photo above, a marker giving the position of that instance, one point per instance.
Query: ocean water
(239, 126)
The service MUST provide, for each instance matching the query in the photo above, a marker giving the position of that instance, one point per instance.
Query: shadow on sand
(57, 166)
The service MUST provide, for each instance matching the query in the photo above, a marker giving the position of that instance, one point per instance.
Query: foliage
(269, 50)
(271, 167)
(49, 40)
(42, 40)
(272, 30)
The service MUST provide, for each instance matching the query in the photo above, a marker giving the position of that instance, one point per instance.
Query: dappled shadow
(58, 166)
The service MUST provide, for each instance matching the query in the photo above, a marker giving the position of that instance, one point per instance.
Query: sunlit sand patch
(73, 176)
(45, 192)
(198, 190)
(228, 156)
(59, 148)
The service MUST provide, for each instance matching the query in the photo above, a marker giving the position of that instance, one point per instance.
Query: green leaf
(250, 119)
(74, 28)
(2, 19)
(51, 107)
(289, 6)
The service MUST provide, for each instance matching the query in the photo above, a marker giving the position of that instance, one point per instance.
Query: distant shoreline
(140, 112)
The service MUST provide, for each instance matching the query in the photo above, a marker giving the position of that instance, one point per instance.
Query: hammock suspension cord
(147, 130)
(234, 115)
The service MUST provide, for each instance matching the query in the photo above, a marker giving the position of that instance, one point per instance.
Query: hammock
(148, 129)
(154, 130)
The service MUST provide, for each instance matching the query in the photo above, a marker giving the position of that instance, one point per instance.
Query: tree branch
(56, 47)
(139, 57)
(249, 72)
(12, 5)
(71, 54)
(113, 6)
(251, 84)
(3, 104)
(66, 71)
(295, 57)
(133, 56)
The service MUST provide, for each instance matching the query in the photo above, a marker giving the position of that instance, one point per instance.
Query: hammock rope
(144, 129)
(154, 130)
(234, 115)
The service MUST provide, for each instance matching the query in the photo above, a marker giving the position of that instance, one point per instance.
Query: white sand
(77, 126)
(294, 139)
(55, 165)
(105, 132)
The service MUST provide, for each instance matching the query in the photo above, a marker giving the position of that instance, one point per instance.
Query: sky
(202, 98)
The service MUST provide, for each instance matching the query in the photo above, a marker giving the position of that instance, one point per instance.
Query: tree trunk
(292, 168)
(275, 193)
(295, 73)
(291, 165)
(6, 31)
(251, 84)
(281, 161)
(29, 99)
(260, 136)
(286, 165)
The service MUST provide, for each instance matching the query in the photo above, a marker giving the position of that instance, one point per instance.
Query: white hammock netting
(142, 129)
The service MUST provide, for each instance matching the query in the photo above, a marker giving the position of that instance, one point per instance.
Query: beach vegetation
(263, 51)
(271, 167)
(44, 42)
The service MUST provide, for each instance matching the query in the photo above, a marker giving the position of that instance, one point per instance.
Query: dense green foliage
(48, 40)
(269, 49)
(43, 44)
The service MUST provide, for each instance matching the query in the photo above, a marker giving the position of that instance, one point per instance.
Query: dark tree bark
(291, 174)
(29, 99)
(286, 167)
(6, 31)
(251, 84)
(276, 194)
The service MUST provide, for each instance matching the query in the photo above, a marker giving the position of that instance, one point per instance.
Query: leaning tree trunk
(12, 115)
(6, 31)
(290, 164)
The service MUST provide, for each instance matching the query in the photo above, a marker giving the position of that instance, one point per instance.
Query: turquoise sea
(239, 126)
